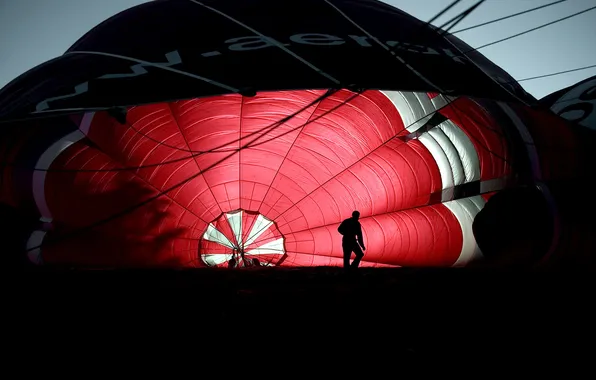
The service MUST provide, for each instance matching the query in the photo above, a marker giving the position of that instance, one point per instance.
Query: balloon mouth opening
(242, 239)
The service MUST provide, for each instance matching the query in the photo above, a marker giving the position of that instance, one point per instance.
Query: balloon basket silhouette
(238, 260)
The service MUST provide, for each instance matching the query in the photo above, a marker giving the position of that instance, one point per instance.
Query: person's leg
(359, 255)
(347, 248)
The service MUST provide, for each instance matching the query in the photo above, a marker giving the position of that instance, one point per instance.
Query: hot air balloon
(576, 103)
(208, 134)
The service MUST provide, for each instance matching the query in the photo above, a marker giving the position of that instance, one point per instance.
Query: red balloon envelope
(199, 182)
(225, 178)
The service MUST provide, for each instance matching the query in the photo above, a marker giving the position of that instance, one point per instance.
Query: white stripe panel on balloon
(451, 148)
(275, 247)
(39, 184)
(259, 227)
(213, 234)
(86, 122)
(43, 164)
(235, 220)
(465, 210)
(216, 259)
(468, 158)
(415, 108)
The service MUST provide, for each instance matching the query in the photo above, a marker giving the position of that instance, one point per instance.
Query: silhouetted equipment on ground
(515, 228)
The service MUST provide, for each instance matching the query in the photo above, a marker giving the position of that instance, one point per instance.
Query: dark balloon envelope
(242, 136)
(576, 103)
(180, 49)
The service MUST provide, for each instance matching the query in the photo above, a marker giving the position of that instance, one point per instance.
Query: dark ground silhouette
(380, 317)
(15, 227)
(428, 314)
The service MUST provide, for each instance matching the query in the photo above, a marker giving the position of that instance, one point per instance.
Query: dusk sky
(33, 31)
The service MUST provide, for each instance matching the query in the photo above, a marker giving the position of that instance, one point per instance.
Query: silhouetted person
(352, 240)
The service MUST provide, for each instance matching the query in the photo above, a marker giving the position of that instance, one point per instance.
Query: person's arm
(360, 238)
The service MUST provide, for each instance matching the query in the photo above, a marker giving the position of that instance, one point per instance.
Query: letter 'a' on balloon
(242, 136)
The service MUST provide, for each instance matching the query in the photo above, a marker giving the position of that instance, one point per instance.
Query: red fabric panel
(101, 247)
(337, 137)
(211, 130)
(306, 174)
(566, 155)
(270, 140)
(141, 144)
(396, 176)
(80, 195)
(487, 196)
(559, 149)
(149, 235)
(429, 236)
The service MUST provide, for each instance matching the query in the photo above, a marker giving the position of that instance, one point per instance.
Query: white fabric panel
(464, 146)
(261, 225)
(213, 234)
(465, 210)
(451, 148)
(34, 247)
(43, 164)
(465, 149)
(216, 259)
(457, 169)
(428, 108)
(275, 247)
(448, 194)
(414, 108)
(479, 202)
(440, 158)
(86, 122)
(441, 101)
(235, 220)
